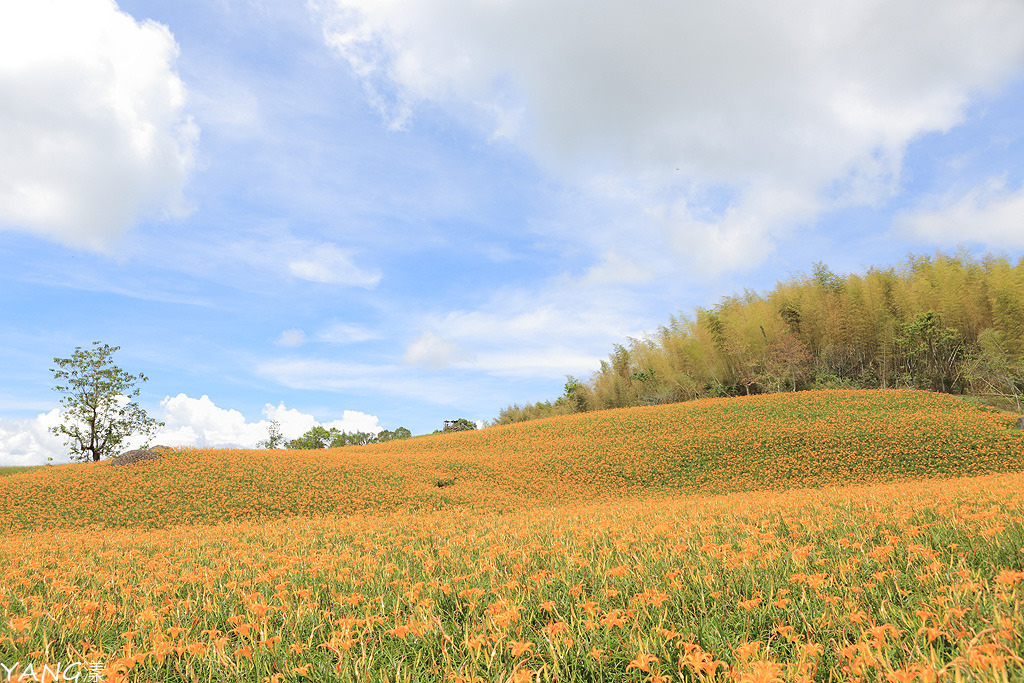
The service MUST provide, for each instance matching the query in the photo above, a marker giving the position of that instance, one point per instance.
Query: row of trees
(948, 323)
(321, 437)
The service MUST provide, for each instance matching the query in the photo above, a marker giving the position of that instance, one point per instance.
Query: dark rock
(139, 455)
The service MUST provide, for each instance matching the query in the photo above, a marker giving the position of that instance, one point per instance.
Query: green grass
(8, 471)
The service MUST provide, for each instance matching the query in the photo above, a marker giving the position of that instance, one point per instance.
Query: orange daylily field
(815, 536)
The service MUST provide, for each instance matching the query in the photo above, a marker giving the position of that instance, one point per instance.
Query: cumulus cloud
(95, 130)
(199, 422)
(797, 105)
(187, 421)
(992, 215)
(332, 265)
(30, 442)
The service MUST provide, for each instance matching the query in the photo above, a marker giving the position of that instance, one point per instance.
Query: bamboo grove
(948, 323)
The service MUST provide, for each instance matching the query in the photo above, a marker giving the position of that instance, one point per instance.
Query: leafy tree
(575, 395)
(788, 362)
(99, 413)
(353, 439)
(385, 435)
(274, 437)
(826, 279)
(930, 351)
(994, 372)
(459, 425)
(316, 438)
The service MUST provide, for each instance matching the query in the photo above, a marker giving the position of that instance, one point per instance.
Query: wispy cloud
(317, 374)
(991, 215)
(328, 264)
(292, 337)
(432, 351)
(346, 333)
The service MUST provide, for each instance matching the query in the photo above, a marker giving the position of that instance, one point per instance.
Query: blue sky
(378, 214)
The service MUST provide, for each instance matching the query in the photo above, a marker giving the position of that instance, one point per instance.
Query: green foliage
(576, 395)
(315, 438)
(930, 352)
(98, 411)
(274, 437)
(826, 279)
(385, 435)
(533, 411)
(920, 326)
(459, 425)
(993, 371)
(320, 437)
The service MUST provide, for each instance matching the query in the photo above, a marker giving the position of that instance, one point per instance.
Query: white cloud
(797, 106)
(317, 374)
(614, 269)
(343, 333)
(992, 215)
(199, 422)
(332, 265)
(550, 362)
(740, 236)
(30, 442)
(564, 325)
(355, 421)
(293, 337)
(335, 333)
(187, 421)
(431, 351)
(95, 133)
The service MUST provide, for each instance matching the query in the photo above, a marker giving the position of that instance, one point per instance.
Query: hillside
(589, 548)
(777, 441)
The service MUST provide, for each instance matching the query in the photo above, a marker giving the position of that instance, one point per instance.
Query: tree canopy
(98, 413)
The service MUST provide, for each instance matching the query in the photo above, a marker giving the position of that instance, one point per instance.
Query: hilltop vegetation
(778, 441)
(949, 323)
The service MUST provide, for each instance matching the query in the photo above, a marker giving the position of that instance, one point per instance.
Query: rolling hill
(775, 441)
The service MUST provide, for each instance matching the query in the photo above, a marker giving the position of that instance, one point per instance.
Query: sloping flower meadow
(775, 441)
(847, 536)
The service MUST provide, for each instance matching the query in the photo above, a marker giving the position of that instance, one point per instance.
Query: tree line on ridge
(949, 323)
